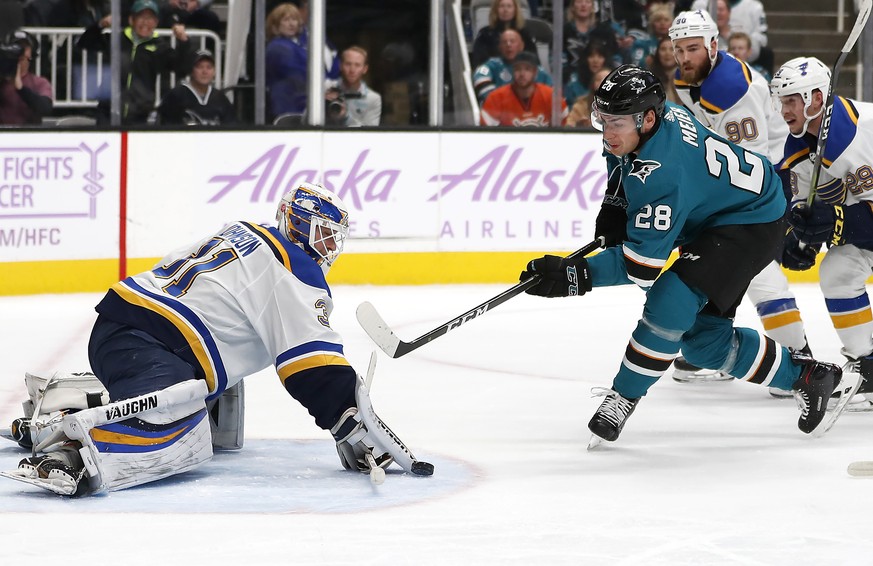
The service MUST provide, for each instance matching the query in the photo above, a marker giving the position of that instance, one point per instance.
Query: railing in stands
(80, 78)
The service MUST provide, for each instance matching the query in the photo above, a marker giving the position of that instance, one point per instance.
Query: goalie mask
(628, 91)
(315, 219)
(696, 24)
(803, 76)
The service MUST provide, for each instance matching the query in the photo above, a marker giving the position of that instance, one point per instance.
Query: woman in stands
(504, 14)
(286, 61)
(663, 66)
(580, 27)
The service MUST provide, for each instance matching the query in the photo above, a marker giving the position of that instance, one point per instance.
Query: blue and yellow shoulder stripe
(844, 126)
(171, 322)
(726, 84)
(291, 256)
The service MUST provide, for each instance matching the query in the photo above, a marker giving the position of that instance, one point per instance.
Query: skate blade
(849, 385)
(594, 442)
(7, 434)
(55, 486)
(710, 376)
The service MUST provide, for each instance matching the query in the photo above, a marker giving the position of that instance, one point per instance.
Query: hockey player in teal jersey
(722, 206)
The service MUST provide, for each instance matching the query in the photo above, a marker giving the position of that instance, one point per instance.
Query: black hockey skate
(813, 388)
(61, 472)
(610, 417)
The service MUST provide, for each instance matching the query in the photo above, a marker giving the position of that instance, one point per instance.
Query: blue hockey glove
(559, 276)
(812, 225)
(796, 258)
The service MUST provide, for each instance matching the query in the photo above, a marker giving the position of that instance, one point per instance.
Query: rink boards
(79, 210)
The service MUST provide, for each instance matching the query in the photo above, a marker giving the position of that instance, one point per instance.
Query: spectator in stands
(740, 46)
(580, 113)
(331, 57)
(523, 102)
(504, 14)
(286, 61)
(349, 101)
(581, 25)
(145, 58)
(723, 21)
(595, 58)
(196, 102)
(497, 71)
(193, 13)
(747, 16)
(645, 45)
(24, 97)
(663, 65)
(630, 14)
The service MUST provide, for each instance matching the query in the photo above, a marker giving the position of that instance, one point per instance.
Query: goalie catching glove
(558, 276)
(364, 441)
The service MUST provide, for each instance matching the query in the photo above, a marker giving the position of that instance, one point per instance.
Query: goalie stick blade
(57, 487)
(377, 329)
(848, 387)
(862, 469)
(371, 370)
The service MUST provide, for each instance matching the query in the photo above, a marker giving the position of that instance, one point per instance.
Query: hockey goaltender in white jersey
(171, 346)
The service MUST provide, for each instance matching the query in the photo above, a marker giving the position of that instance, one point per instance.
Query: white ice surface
(714, 474)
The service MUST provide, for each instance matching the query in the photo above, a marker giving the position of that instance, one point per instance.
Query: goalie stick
(376, 327)
(824, 129)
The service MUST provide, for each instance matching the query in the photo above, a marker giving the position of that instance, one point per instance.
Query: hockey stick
(824, 129)
(376, 327)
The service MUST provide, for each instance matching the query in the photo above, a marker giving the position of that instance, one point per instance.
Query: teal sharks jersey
(685, 179)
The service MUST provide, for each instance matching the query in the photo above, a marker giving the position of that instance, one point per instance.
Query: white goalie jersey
(233, 304)
(734, 102)
(846, 176)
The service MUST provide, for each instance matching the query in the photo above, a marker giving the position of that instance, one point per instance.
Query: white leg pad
(164, 433)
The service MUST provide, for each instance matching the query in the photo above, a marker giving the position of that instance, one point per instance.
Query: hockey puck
(420, 468)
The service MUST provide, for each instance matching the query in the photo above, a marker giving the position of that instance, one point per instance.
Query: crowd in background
(597, 41)
(373, 76)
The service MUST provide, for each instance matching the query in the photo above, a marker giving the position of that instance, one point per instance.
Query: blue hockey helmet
(316, 219)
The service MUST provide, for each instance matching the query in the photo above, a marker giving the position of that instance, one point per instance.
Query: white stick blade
(371, 370)
(861, 469)
(377, 329)
(860, 22)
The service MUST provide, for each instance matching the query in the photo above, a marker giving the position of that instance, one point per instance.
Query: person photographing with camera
(348, 100)
(24, 97)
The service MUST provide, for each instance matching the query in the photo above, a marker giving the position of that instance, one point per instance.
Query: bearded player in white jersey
(841, 214)
(733, 100)
(169, 343)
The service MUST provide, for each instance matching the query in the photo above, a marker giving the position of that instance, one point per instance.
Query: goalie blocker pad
(143, 439)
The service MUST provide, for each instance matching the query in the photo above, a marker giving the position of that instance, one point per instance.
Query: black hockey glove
(795, 258)
(558, 276)
(812, 225)
(611, 221)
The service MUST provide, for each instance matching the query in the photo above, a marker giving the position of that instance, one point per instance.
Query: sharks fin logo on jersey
(642, 168)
